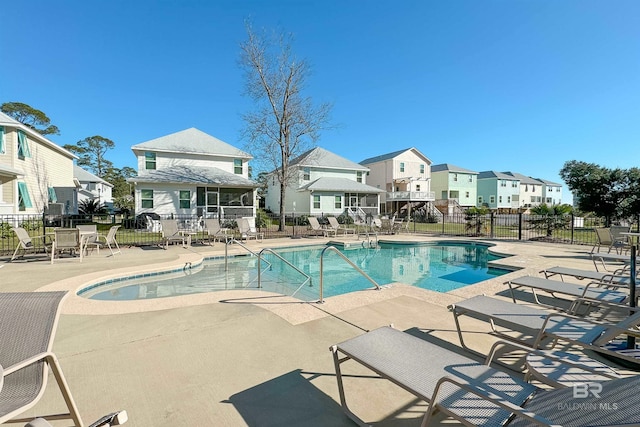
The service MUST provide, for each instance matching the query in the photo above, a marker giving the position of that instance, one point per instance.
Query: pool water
(440, 267)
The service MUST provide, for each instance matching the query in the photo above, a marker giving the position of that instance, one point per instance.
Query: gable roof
(340, 184)
(451, 168)
(6, 120)
(494, 174)
(192, 141)
(85, 176)
(392, 155)
(524, 179)
(547, 182)
(319, 157)
(194, 175)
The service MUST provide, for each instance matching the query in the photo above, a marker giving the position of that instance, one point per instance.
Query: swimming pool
(440, 266)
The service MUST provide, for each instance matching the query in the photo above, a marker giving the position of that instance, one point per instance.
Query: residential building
(92, 187)
(455, 188)
(325, 183)
(405, 176)
(530, 190)
(191, 173)
(498, 191)
(34, 172)
(551, 192)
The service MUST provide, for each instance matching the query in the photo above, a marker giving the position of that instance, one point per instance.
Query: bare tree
(284, 122)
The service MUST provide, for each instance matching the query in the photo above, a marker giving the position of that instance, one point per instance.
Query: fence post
(443, 224)
(519, 225)
(492, 224)
(573, 224)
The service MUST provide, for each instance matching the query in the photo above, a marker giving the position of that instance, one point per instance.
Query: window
(316, 201)
(306, 174)
(470, 178)
(53, 197)
(185, 199)
(146, 199)
(359, 176)
(23, 146)
(338, 202)
(24, 201)
(526, 188)
(503, 183)
(401, 166)
(455, 177)
(492, 199)
(479, 200)
(508, 199)
(466, 194)
(499, 199)
(417, 187)
(150, 161)
(533, 199)
(1, 139)
(422, 169)
(237, 166)
(533, 188)
(514, 184)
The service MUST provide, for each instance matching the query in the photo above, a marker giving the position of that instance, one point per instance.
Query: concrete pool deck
(234, 358)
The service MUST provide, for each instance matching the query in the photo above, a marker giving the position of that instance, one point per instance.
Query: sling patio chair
(318, 230)
(171, 234)
(469, 391)
(247, 228)
(603, 239)
(67, 239)
(612, 263)
(89, 236)
(581, 293)
(580, 274)
(336, 226)
(28, 322)
(541, 325)
(213, 230)
(110, 240)
(619, 241)
(25, 242)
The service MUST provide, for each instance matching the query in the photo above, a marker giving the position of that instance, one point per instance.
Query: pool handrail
(226, 252)
(271, 251)
(344, 257)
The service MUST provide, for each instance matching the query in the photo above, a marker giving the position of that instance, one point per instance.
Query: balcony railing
(411, 196)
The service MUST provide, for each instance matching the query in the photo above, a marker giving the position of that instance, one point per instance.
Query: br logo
(582, 391)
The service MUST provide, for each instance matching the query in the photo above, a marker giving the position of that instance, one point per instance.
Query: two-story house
(551, 192)
(92, 187)
(498, 191)
(34, 171)
(191, 173)
(530, 190)
(325, 183)
(405, 176)
(455, 188)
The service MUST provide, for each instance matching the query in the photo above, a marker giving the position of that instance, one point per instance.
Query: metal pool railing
(272, 252)
(344, 257)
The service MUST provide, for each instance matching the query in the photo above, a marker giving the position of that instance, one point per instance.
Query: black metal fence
(136, 231)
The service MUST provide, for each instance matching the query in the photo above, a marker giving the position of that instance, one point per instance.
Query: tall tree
(31, 117)
(284, 122)
(91, 153)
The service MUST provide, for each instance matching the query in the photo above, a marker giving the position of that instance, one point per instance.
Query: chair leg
(16, 251)
(64, 388)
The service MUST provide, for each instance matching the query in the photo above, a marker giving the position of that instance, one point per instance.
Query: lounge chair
(171, 234)
(335, 225)
(318, 230)
(28, 322)
(553, 287)
(471, 392)
(25, 242)
(619, 241)
(66, 239)
(603, 238)
(541, 325)
(247, 229)
(613, 263)
(213, 230)
(110, 240)
(597, 276)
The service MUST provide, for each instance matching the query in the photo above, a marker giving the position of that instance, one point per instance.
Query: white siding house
(325, 183)
(530, 190)
(34, 172)
(405, 177)
(92, 187)
(191, 173)
(551, 192)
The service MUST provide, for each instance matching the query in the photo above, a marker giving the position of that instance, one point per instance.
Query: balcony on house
(411, 196)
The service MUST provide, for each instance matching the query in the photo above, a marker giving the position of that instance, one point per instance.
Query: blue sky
(518, 85)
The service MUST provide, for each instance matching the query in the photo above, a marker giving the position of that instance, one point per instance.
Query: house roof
(523, 179)
(6, 120)
(194, 175)
(319, 157)
(494, 174)
(86, 176)
(547, 182)
(340, 184)
(392, 155)
(451, 168)
(192, 141)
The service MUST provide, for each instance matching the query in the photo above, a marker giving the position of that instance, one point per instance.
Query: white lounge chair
(213, 230)
(171, 234)
(319, 230)
(247, 228)
(25, 242)
(335, 225)
(110, 240)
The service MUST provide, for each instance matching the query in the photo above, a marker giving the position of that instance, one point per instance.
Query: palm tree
(550, 218)
(92, 207)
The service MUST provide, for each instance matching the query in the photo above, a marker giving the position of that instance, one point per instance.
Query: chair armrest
(30, 361)
(487, 396)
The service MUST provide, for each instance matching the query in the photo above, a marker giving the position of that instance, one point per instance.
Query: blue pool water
(439, 267)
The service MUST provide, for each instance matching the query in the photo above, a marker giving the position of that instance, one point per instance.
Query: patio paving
(235, 358)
